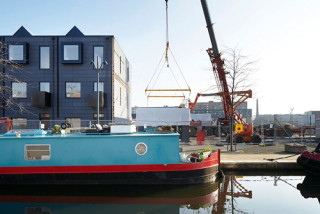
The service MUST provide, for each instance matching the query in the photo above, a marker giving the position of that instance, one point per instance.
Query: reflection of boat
(310, 187)
(38, 157)
(310, 161)
(111, 199)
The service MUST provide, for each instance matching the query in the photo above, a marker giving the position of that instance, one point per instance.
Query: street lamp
(98, 68)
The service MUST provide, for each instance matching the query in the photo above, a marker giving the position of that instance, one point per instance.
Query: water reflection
(233, 194)
(107, 199)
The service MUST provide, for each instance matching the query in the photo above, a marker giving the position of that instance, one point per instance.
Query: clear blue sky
(283, 36)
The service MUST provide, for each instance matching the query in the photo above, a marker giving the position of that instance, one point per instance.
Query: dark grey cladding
(75, 32)
(58, 105)
(22, 32)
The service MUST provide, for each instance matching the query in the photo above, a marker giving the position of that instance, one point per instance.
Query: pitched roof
(22, 32)
(74, 32)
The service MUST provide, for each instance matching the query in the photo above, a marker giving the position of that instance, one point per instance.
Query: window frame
(44, 46)
(49, 87)
(19, 118)
(128, 70)
(101, 118)
(25, 52)
(63, 61)
(19, 83)
(120, 95)
(101, 46)
(66, 91)
(25, 151)
(96, 88)
(120, 64)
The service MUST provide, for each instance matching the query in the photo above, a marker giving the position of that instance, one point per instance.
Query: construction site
(225, 118)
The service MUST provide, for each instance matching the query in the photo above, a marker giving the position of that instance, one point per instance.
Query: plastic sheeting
(201, 117)
(204, 118)
(163, 117)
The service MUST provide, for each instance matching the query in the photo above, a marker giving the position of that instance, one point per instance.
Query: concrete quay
(252, 158)
(259, 162)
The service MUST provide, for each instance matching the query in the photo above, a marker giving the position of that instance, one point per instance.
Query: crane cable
(167, 34)
(158, 71)
(154, 73)
(168, 49)
(179, 69)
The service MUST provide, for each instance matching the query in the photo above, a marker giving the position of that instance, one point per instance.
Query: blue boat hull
(100, 159)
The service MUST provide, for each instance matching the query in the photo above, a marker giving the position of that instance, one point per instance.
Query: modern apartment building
(56, 81)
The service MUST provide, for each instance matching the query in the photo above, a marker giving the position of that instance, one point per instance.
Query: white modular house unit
(155, 116)
(121, 85)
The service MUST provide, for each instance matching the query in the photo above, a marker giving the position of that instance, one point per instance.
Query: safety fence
(50, 124)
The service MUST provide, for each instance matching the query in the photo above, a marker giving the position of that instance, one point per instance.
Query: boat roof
(26, 132)
(43, 133)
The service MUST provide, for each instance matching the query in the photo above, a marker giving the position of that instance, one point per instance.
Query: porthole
(141, 148)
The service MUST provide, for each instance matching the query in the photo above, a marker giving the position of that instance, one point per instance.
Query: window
(120, 96)
(19, 89)
(44, 57)
(75, 122)
(128, 70)
(101, 86)
(18, 52)
(45, 86)
(15, 52)
(37, 152)
(19, 123)
(45, 120)
(101, 117)
(71, 52)
(98, 56)
(141, 148)
(120, 64)
(73, 90)
(44, 116)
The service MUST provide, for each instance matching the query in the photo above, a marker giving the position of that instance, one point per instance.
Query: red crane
(245, 131)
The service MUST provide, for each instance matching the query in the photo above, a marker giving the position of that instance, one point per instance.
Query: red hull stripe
(209, 162)
(314, 156)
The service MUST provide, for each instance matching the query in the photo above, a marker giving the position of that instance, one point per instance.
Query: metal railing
(50, 124)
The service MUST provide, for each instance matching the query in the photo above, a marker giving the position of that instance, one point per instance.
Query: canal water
(232, 194)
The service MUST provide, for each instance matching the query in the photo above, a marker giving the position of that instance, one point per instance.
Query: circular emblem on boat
(141, 148)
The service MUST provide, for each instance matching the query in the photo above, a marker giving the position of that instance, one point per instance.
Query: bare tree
(8, 69)
(238, 68)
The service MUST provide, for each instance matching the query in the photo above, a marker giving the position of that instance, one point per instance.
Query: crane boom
(217, 63)
(241, 97)
(210, 28)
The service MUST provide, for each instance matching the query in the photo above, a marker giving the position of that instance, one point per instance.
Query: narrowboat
(117, 156)
(310, 161)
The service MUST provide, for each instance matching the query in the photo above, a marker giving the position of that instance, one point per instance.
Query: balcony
(92, 100)
(41, 99)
